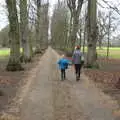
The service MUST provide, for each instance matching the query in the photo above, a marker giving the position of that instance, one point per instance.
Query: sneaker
(77, 78)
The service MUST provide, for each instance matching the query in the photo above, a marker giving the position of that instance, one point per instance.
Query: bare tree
(24, 29)
(59, 26)
(75, 9)
(92, 33)
(102, 27)
(14, 60)
(109, 27)
(38, 47)
(44, 25)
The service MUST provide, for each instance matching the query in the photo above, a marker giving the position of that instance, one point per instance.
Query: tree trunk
(73, 36)
(85, 30)
(24, 31)
(92, 33)
(14, 60)
(44, 23)
(69, 31)
(75, 9)
(80, 41)
(30, 40)
(38, 47)
(100, 42)
(108, 45)
(84, 39)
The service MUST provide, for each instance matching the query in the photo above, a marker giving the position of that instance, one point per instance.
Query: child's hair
(62, 56)
(75, 47)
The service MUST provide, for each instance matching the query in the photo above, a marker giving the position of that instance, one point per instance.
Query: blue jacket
(63, 63)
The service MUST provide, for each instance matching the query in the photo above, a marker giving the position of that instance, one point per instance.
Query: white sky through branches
(3, 10)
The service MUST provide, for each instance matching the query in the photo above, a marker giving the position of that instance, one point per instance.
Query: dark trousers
(63, 74)
(78, 69)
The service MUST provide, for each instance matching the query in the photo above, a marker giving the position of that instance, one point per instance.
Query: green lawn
(5, 52)
(114, 52)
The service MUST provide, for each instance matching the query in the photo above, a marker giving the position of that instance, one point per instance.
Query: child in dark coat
(63, 65)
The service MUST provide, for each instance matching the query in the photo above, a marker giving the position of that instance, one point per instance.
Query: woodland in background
(32, 28)
(34, 20)
(72, 22)
(94, 32)
(85, 25)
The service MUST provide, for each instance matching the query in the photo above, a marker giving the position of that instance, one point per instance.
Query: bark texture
(92, 33)
(14, 60)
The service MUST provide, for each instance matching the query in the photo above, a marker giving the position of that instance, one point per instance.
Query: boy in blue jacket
(63, 65)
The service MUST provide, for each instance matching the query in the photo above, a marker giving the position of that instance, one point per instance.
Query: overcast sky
(3, 11)
(3, 18)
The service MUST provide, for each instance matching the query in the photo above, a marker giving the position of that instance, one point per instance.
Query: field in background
(114, 52)
(107, 76)
(4, 52)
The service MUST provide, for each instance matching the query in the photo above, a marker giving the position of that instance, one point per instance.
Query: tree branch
(114, 8)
